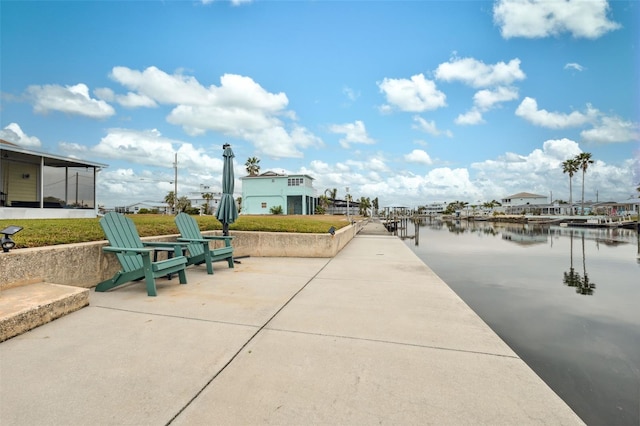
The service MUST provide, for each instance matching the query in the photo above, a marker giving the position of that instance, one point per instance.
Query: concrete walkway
(370, 336)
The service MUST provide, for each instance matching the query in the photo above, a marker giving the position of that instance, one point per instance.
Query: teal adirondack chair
(135, 256)
(198, 249)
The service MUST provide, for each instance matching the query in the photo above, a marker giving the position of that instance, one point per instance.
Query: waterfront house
(434, 208)
(523, 198)
(197, 200)
(294, 193)
(152, 206)
(45, 186)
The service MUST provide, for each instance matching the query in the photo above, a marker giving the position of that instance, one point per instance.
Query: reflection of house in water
(39, 185)
(524, 236)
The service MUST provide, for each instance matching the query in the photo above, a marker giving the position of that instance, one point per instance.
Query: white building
(152, 206)
(522, 199)
(434, 208)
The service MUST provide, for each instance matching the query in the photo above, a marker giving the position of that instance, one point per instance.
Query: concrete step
(26, 307)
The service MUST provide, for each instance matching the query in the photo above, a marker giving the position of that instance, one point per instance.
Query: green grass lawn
(47, 232)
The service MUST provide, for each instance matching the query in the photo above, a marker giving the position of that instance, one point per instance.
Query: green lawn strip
(47, 232)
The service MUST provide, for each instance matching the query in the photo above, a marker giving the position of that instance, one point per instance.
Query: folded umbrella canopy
(227, 212)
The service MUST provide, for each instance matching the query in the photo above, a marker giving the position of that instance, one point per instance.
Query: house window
(264, 205)
(295, 181)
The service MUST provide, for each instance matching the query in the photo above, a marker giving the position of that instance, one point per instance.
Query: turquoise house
(294, 193)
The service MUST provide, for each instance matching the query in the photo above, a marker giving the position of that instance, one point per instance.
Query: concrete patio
(371, 335)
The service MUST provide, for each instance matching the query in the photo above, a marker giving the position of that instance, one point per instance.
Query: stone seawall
(85, 264)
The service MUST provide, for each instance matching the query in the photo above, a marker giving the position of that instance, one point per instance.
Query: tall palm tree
(253, 166)
(331, 194)
(583, 159)
(365, 204)
(207, 196)
(570, 166)
(170, 199)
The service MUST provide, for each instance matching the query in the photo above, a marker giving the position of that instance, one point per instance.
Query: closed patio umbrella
(227, 212)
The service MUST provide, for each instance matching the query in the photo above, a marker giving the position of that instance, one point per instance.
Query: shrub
(276, 210)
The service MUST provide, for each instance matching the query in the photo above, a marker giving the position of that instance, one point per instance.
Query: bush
(276, 210)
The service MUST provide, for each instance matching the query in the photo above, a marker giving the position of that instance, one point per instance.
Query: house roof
(150, 204)
(271, 174)
(526, 195)
(51, 159)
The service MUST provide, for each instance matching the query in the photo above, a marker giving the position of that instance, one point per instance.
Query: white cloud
(470, 117)
(486, 99)
(418, 156)
(428, 127)
(14, 134)
(130, 100)
(353, 133)
(413, 95)
(239, 107)
(612, 130)
(150, 148)
(72, 147)
(538, 171)
(605, 129)
(528, 110)
(573, 66)
(68, 99)
(543, 18)
(476, 73)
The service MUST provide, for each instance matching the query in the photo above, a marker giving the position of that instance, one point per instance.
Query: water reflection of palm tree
(571, 278)
(582, 284)
(586, 287)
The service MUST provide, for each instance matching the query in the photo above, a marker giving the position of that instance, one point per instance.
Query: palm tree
(183, 203)
(331, 194)
(571, 278)
(570, 166)
(323, 203)
(253, 166)
(583, 159)
(207, 196)
(586, 287)
(365, 204)
(170, 199)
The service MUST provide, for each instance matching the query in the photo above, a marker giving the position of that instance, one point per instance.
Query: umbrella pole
(225, 229)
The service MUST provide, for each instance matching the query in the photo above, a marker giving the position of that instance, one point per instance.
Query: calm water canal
(567, 301)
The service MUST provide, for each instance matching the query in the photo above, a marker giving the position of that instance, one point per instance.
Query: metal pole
(347, 197)
(175, 185)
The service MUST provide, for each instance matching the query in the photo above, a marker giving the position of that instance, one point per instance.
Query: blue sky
(411, 102)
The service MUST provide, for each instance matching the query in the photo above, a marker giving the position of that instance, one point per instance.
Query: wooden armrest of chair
(128, 250)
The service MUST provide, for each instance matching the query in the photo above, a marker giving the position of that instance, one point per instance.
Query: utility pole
(175, 185)
(347, 197)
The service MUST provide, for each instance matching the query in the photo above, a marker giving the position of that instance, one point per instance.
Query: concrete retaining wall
(85, 264)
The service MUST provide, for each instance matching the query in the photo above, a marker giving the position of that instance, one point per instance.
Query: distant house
(40, 185)
(434, 208)
(523, 198)
(199, 202)
(162, 208)
(527, 203)
(294, 193)
(339, 207)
